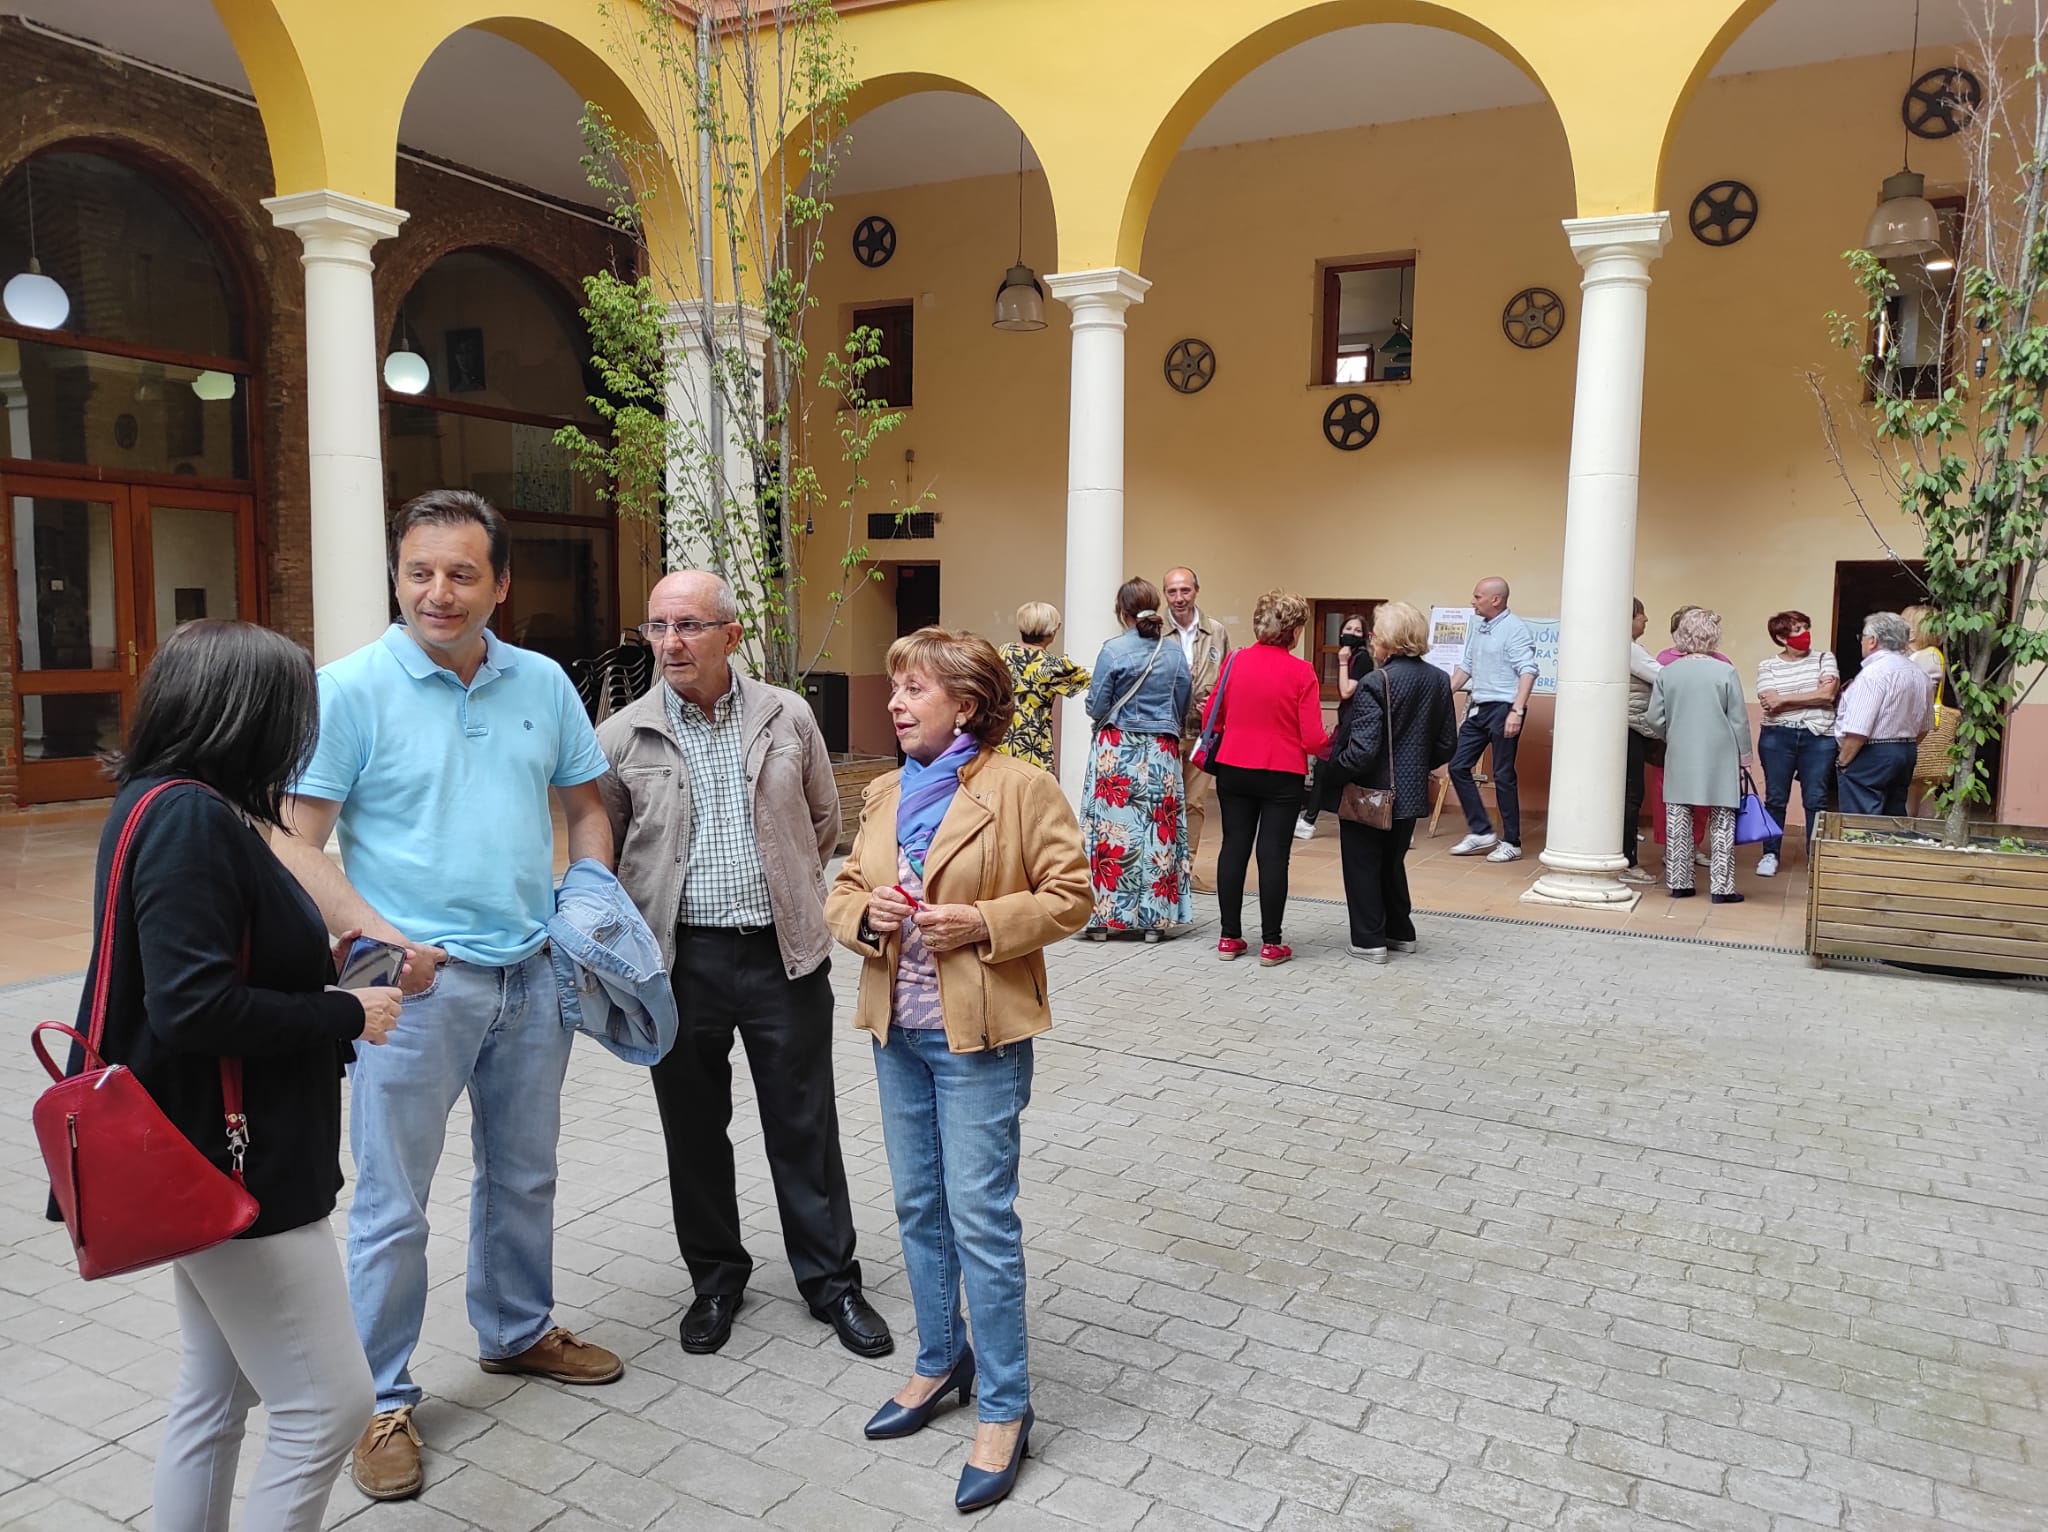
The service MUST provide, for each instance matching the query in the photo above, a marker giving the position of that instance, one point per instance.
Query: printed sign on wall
(1448, 626)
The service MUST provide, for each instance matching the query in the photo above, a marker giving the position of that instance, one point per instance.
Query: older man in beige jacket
(1205, 644)
(724, 810)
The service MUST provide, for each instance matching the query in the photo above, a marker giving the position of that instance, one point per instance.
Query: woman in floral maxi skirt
(1134, 819)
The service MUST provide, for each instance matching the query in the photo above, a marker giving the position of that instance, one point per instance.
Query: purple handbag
(1753, 821)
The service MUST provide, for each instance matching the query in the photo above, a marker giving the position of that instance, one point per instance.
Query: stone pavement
(1538, 1228)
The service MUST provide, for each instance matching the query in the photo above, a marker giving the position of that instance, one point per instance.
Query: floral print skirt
(1136, 827)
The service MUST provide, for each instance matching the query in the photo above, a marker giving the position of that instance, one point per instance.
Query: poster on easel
(1449, 625)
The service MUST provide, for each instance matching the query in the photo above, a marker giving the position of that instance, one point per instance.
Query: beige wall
(1741, 507)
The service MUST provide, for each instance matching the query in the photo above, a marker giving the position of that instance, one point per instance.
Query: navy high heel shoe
(980, 1489)
(893, 1419)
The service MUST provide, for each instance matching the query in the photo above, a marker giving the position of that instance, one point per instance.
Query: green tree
(1959, 445)
(707, 383)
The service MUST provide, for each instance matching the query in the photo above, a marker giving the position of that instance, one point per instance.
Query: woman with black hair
(217, 953)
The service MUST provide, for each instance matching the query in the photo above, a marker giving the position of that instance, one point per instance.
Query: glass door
(102, 574)
(75, 651)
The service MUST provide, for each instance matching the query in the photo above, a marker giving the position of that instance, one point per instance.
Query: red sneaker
(1229, 947)
(1272, 955)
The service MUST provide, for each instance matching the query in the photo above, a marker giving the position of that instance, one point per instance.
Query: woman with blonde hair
(1269, 703)
(967, 866)
(1696, 704)
(1133, 817)
(1039, 678)
(1934, 769)
(1400, 727)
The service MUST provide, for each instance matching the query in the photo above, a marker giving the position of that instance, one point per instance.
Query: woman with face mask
(1354, 663)
(1796, 687)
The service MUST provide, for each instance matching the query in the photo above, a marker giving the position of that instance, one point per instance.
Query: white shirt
(1187, 635)
(1805, 674)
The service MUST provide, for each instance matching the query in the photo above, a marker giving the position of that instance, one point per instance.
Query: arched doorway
(125, 449)
(502, 358)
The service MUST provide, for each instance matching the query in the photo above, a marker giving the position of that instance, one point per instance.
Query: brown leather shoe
(562, 1357)
(387, 1457)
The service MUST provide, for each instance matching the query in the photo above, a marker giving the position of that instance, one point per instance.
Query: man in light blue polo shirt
(438, 747)
(1499, 668)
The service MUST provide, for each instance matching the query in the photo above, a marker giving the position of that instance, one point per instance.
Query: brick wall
(211, 151)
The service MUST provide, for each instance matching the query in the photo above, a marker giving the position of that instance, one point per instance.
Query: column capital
(1642, 236)
(334, 218)
(740, 321)
(1113, 287)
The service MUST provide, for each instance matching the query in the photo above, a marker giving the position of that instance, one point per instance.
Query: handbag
(1374, 806)
(133, 1190)
(1753, 822)
(1935, 763)
(1211, 740)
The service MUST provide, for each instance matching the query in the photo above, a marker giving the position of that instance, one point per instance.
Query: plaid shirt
(724, 885)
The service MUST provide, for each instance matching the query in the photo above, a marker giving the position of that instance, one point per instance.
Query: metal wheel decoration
(874, 241)
(1190, 366)
(1533, 318)
(1351, 422)
(1939, 103)
(1723, 213)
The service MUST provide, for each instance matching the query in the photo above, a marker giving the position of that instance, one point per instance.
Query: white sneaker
(1473, 844)
(1701, 859)
(1506, 851)
(1304, 829)
(1370, 954)
(1637, 875)
(1767, 867)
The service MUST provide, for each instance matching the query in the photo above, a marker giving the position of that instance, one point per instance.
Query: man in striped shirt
(1881, 719)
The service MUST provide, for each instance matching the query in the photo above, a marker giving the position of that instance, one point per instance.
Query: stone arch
(1256, 47)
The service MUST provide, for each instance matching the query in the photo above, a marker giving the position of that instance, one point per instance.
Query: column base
(1583, 890)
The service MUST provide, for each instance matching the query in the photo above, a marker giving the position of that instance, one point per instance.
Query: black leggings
(1258, 809)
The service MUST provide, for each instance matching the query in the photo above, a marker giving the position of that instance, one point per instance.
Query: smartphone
(371, 964)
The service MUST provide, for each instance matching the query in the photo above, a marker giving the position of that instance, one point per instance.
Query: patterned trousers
(1678, 848)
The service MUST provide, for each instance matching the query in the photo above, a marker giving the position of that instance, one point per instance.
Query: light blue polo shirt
(444, 789)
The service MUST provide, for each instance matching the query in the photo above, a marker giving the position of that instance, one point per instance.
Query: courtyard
(1542, 1227)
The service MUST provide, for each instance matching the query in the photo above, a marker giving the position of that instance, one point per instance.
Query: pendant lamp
(405, 370)
(1905, 222)
(214, 386)
(1020, 301)
(31, 298)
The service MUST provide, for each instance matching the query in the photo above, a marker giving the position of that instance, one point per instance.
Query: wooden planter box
(853, 773)
(1980, 909)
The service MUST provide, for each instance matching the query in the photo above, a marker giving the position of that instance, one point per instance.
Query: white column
(697, 500)
(1589, 747)
(344, 438)
(1095, 482)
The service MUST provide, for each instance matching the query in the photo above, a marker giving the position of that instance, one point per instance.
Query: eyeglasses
(684, 627)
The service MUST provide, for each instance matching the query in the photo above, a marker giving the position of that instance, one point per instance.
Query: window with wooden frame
(1923, 321)
(1327, 617)
(1363, 312)
(890, 386)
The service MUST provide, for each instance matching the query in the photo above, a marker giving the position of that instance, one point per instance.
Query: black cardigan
(199, 882)
(1425, 733)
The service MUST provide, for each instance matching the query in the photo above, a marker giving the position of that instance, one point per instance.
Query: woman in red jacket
(1270, 705)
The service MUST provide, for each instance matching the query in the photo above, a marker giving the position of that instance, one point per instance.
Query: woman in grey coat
(1696, 704)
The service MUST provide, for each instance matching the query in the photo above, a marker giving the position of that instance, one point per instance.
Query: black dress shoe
(708, 1324)
(860, 1328)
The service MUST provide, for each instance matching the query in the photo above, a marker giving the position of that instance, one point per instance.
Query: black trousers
(1376, 881)
(727, 981)
(1258, 809)
(1632, 793)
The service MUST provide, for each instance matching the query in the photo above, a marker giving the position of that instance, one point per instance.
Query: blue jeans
(496, 1033)
(1788, 753)
(1485, 727)
(1878, 779)
(951, 1123)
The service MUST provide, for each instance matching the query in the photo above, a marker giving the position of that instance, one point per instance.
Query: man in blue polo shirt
(438, 746)
(1500, 669)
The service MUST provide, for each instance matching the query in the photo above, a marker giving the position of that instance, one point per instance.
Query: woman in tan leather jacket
(968, 864)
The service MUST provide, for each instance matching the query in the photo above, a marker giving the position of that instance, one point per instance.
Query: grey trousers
(263, 1320)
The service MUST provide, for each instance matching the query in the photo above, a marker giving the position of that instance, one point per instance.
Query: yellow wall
(1741, 508)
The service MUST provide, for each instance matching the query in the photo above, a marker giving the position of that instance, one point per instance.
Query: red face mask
(1799, 642)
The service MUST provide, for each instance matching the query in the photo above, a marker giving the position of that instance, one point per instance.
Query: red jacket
(1273, 718)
